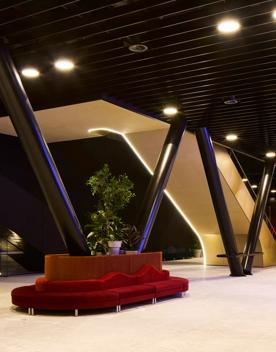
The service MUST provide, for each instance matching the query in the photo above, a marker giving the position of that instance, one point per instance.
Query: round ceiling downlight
(228, 26)
(231, 137)
(138, 48)
(30, 72)
(64, 65)
(270, 154)
(170, 111)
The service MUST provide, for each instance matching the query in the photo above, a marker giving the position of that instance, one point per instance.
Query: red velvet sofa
(111, 290)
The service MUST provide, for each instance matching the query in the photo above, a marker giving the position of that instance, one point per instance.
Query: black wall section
(76, 161)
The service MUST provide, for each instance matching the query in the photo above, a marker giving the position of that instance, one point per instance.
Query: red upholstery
(113, 280)
(42, 285)
(149, 274)
(109, 291)
(169, 287)
(27, 296)
(135, 293)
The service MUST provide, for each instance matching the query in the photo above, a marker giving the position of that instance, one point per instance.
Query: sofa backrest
(117, 279)
(42, 284)
(149, 274)
(146, 274)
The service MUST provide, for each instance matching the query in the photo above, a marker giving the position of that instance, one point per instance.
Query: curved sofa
(111, 290)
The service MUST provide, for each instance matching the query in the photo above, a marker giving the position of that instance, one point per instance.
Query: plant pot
(197, 253)
(114, 247)
(131, 252)
(99, 253)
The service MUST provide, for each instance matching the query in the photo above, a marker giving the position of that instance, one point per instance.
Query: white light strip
(151, 172)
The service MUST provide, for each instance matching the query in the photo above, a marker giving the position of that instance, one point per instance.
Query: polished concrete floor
(220, 313)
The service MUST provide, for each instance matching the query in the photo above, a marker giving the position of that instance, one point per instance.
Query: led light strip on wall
(139, 156)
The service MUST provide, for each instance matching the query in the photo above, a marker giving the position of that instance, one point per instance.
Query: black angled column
(211, 170)
(257, 217)
(160, 178)
(19, 108)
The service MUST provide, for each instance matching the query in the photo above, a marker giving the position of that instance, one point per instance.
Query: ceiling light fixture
(30, 72)
(270, 155)
(254, 186)
(138, 48)
(245, 180)
(64, 65)
(170, 111)
(228, 26)
(273, 191)
(231, 137)
(274, 14)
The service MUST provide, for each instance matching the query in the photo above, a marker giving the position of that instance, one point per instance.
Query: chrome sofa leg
(118, 308)
(154, 300)
(29, 311)
(76, 312)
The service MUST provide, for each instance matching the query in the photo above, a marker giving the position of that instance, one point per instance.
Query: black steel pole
(19, 108)
(160, 178)
(209, 162)
(257, 217)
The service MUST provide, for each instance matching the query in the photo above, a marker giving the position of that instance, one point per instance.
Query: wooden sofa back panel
(65, 267)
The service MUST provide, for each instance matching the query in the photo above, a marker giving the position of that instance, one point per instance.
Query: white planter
(114, 247)
(131, 252)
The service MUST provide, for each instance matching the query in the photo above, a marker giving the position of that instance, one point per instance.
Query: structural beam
(160, 178)
(20, 111)
(257, 217)
(211, 170)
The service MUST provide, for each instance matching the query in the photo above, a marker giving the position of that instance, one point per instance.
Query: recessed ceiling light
(274, 14)
(228, 26)
(254, 186)
(245, 180)
(231, 137)
(138, 48)
(64, 65)
(273, 191)
(170, 111)
(270, 155)
(30, 72)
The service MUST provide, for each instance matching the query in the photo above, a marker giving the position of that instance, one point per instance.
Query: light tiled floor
(219, 313)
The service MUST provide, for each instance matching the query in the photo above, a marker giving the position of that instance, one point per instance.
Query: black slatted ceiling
(188, 62)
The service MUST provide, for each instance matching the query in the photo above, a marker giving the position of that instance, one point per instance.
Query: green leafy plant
(112, 194)
(132, 238)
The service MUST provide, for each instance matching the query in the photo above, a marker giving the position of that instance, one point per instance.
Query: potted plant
(112, 194)
(132, 238)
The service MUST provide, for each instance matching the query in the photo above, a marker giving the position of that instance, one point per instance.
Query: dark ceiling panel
(187, 63)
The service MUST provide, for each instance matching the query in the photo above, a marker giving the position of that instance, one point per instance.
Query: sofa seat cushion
(27, 296)
(132, 291)
(148, 273)
(184, 283)
(169, 287)
(133, 294)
